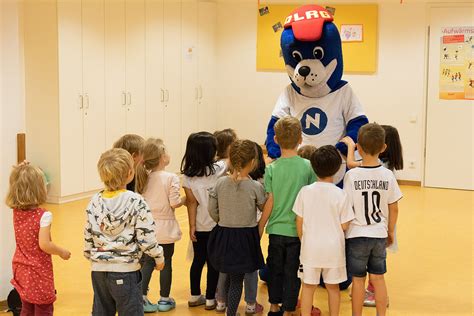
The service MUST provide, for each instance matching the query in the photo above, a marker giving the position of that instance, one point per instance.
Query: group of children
(314, 227)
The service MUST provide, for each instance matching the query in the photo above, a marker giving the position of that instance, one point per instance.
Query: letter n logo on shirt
(314, 121)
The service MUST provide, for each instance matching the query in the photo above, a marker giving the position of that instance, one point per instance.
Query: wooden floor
(430, 275)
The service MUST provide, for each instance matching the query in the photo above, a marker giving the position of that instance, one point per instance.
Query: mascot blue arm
(351, 130)
(273, 149)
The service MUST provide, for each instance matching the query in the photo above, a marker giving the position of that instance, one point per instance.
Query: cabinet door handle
(200, 92)
(129, 98)
(87, 101)
(167, 95)
(124, 98)
(162, 95)
(80, 101)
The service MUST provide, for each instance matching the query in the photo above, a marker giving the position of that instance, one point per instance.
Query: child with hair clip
(201, 172)
(161, 192)
(250, 279)
(234, 244)
(392, 159)
(32, 264)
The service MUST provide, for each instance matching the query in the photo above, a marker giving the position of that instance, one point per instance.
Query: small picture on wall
(331, 10)
(277, 27)
(263, 11)
(352, 33)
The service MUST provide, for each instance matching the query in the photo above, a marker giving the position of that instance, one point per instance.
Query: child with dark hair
(322, 213)
(234, 244)
(225, 138)
(259, 171)
(201, 172)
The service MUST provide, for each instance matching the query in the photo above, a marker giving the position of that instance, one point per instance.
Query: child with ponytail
(161, 192)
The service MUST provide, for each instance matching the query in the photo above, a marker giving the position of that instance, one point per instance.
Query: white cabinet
(124, 68)
(198, 73)
(163, 76)
(98, 69)
(207, 58)
(81, 93)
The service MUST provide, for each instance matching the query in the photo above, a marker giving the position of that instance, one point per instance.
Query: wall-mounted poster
(456, 69)
(352, 32)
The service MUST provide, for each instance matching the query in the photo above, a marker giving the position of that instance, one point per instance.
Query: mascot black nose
(304, 71)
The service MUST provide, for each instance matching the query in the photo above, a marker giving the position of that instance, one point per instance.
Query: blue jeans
(117, 292)
(366, 254)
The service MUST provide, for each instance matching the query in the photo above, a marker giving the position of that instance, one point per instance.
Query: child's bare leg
(307, 294)
(334, 298)
(358, 295)
(378, 281)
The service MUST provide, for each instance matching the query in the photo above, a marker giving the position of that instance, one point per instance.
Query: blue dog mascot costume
(326, 105)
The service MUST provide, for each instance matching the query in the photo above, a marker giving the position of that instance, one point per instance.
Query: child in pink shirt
(161, 192)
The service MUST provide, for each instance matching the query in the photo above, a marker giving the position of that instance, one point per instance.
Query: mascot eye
(318, 53)
(297, 56)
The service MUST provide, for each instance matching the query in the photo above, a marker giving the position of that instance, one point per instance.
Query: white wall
(12, 114)
(392, 96)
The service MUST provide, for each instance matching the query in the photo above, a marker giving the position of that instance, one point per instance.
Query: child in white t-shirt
(201, 172)
(161, 192)
(323, 213)
(374, 193)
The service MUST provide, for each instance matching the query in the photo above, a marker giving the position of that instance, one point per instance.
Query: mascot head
(312, 51)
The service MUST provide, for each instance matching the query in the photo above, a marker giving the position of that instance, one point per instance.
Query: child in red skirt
(32, 265)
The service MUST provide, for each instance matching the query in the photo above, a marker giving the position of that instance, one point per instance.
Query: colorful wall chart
(456, 71)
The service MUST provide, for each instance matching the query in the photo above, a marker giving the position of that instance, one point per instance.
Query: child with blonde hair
(134, 145)
(234, 244)
(306, 151)
(161, 192)
(32, 264)
(283, 180)
(119, 229)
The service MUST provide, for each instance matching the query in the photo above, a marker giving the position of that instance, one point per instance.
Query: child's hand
(65, 254)
(348, 141)
(159, 266)
(261, 229)
(390, 238)
(192, 233)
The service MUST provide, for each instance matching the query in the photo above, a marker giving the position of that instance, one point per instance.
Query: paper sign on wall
(457, 63)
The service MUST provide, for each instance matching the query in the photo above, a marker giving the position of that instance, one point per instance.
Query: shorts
(365, 254)
(311, 275)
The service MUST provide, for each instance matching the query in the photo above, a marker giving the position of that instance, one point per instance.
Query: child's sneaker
(201, 300)
(221, 307)
(210, 305)
(252, 309)
(369, 299)
(149, 307)
(165, 305)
